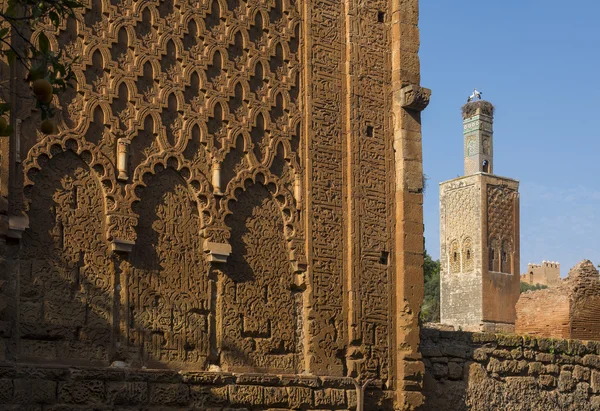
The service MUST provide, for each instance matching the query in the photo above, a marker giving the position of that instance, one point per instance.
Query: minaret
(479, 234)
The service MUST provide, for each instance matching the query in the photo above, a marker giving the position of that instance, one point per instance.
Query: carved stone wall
(235, 185)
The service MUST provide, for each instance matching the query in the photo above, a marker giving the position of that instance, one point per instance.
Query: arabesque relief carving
(221, 194)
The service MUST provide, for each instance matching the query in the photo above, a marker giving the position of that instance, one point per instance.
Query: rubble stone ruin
(235, 186)
(479, 234)
(568, 310)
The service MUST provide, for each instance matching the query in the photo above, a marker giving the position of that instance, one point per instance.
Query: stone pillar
(408, 100)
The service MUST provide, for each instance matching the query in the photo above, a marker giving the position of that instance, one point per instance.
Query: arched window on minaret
(505, 257)
(485, 166)
(468, 262)
(454, 257)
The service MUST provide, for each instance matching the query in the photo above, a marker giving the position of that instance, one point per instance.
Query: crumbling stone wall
(569, 310)
(476, 371)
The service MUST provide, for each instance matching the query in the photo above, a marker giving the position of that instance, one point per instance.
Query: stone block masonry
(478, 371)
(31, 387)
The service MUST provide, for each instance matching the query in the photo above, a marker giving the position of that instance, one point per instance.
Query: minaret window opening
(454, 257)
(468, 263)
(485, 166)
(505, 257)
(493, 256)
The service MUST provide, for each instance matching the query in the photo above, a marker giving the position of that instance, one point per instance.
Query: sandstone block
(455, 371)
(275, 396)
(245, 394)
(6, 390)
(126, 393)
(581, 373)
(547, 381)
(566, 381)
(544, 357)
(595, 381)
(81, 392)
(440, 370)
(34, 391)
(300, 397)
(330, 397)
(592, 360)
(535, 368)
(169, 394)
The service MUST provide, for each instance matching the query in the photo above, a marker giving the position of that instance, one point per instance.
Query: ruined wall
(234, 185)
(544, 313)
(472, 371)
(569, 310)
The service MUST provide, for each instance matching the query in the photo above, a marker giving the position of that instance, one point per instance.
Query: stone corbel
(17, 224)
(217, 252)
(414, 97)
(121, 232)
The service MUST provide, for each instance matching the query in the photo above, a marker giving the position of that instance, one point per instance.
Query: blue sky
(538, 62)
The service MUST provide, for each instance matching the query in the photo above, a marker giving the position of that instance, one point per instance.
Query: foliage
(531, 287)
(17, 20)
(430, 311)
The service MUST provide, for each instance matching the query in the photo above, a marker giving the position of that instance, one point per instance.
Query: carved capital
(121, 231)
(217, 252)
(17, 225)
(414, 97)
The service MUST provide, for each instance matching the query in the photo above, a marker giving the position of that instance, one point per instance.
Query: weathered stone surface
(81, 392)
(126, 393)
(210, 152)
(493, 379)
(169, 394)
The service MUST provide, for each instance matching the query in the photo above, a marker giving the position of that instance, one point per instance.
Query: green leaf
(44, 43)
(11, 56)
(7, 131)
(53, 16)
(4, 32)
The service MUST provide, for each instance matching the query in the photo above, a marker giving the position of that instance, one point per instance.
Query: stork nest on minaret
(477, 107)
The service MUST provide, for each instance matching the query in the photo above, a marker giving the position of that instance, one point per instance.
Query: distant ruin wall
(478, 371)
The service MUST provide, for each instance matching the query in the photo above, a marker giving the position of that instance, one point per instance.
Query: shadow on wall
(474, 371)
(73, 302)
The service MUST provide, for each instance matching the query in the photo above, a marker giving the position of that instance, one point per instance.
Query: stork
(476, 95)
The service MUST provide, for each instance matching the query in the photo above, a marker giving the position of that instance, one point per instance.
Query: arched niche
(168, 289)
(66, 277)
(260, 307)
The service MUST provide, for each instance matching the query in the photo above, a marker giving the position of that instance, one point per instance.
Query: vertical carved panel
(501, 221)
(261, 320)
(370, 207)
(66, 280)
(168, 287)
(327, 327)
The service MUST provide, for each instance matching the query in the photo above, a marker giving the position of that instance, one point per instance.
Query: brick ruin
(235, 190)
(568, 310)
